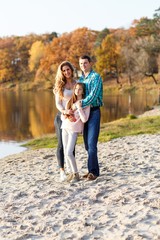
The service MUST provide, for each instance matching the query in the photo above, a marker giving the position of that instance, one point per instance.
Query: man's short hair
(85, 57)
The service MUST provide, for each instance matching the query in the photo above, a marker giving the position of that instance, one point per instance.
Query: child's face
(78, 90)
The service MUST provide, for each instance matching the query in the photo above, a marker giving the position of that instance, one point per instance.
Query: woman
(64, 83)
(71, 126)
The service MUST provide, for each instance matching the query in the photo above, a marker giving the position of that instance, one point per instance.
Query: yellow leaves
(3, 74)
(36, 53)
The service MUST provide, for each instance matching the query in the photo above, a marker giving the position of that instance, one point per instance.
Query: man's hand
(79, 104)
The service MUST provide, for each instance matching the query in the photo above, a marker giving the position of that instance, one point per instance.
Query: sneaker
(69, 177)
(62, 176)
(75, 178)
(91, 177)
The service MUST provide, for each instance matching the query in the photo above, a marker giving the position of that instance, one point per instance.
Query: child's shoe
(69, 177)
(75, 178)
(62, 176)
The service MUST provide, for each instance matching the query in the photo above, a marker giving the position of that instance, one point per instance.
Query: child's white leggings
(69, 139)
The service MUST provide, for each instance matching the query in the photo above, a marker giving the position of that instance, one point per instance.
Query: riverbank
(123, 203)
(109, 86)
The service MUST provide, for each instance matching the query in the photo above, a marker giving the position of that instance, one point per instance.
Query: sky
(23, 17)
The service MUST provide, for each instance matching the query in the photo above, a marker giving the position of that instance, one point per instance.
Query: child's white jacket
(81, 116)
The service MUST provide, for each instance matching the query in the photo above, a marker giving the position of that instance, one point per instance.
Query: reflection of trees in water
(159, 96)
(13, 114)
(154, 95)
(41, 115)
(118, 106)
(26, 114)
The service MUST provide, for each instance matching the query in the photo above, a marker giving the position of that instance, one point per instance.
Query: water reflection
(25, 115)
(118, 106)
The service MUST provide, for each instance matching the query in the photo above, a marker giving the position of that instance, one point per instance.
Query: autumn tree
(68, 46)
(100, 36)
(82, 42)
(54, 53)
(36, 53)
(149, 46)
(7, 58)
(129, 63)
(145, 27)
(108, 60)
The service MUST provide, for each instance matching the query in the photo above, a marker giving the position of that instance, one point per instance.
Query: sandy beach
(122, 204)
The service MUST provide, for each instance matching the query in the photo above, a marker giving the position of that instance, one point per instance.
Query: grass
(131, 125)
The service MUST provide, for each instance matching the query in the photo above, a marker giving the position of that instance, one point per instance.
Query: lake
(26, 115)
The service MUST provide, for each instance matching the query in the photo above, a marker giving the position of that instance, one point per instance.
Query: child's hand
(68, 112)
(72, 118)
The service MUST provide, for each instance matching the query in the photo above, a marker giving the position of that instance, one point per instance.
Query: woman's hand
(67, 112)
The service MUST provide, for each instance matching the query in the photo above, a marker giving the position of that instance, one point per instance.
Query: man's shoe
(91, 177)
(86, 175)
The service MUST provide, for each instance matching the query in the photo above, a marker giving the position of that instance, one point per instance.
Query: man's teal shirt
(93, 89)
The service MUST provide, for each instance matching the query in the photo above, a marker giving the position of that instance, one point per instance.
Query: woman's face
(67, 72)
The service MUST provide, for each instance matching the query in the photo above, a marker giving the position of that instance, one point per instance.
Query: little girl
(71, 126)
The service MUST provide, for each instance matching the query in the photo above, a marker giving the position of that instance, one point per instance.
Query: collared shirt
(93, 89)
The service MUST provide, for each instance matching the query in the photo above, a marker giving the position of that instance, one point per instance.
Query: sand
(122, 203)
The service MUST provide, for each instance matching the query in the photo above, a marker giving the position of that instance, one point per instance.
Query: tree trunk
(152, 76)
(130, 80)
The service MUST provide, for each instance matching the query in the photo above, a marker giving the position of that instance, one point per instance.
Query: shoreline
(10, 148)
(122, 203)
(155, 111)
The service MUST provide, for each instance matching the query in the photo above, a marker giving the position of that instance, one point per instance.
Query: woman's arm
(58, 102)
(60, 107)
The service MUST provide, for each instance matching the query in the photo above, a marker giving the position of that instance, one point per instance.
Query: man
(94, 98)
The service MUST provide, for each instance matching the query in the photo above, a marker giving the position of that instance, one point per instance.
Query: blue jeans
(90, 135)
(58, 130)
